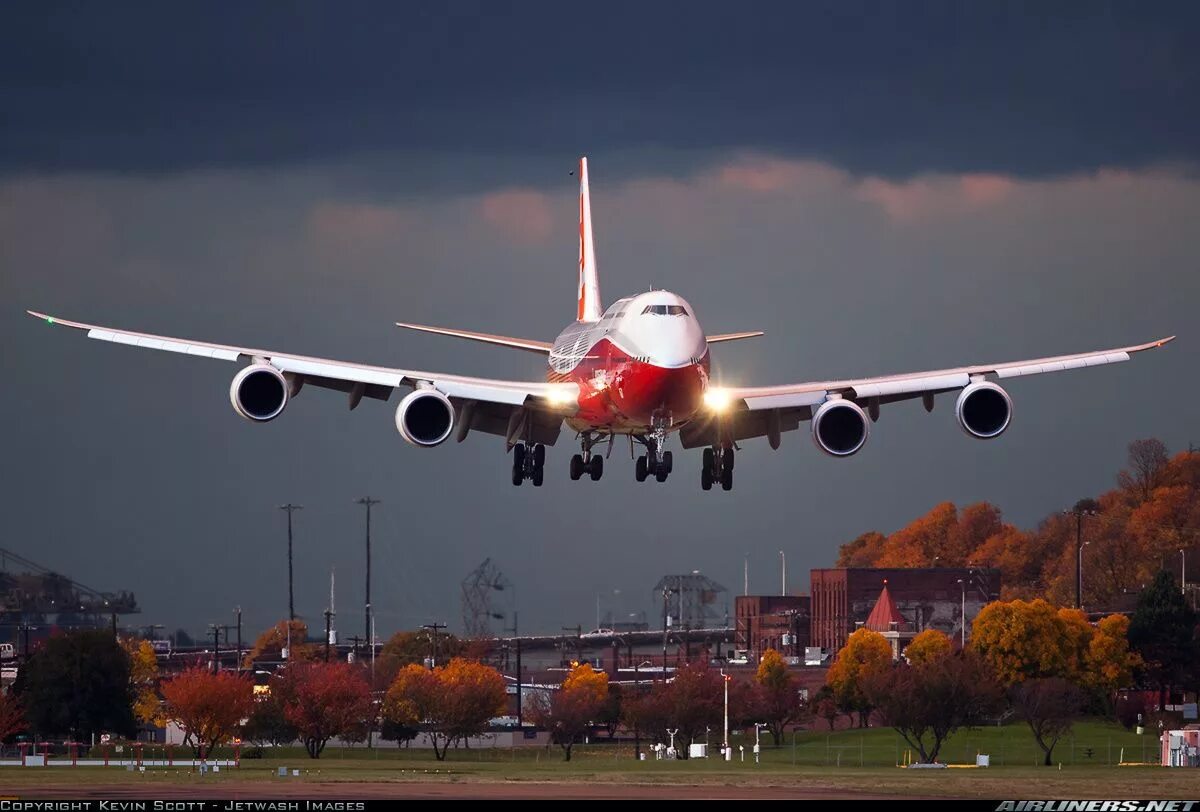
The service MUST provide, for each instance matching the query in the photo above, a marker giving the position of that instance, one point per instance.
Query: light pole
(289, 507)
(962, 583)
(725, 745)
(1182, 573)
(783, 572)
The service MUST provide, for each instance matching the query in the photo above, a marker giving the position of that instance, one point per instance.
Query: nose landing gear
(717, 467)
(529, 462)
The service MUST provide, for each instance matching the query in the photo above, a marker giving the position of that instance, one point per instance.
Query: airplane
(639, 368)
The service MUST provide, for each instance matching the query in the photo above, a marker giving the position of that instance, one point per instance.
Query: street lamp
(1182, 573)
(725, 747)
(783, 566)
(962, 583)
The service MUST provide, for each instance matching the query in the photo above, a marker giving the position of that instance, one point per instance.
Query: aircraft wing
(762, 410)
(495, 403)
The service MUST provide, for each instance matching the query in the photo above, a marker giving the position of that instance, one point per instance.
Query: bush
(1129, 707)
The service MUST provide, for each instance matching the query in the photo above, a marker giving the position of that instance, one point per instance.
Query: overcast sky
(882, 188)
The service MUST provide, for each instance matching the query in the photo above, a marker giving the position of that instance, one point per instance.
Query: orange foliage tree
(322, 700)
(927, 647)
(570, 711)
(452, 702)
(12, 715)
(865, 655)
(270, 644)
(143, 680)
(776, 699)
(208, 706)
(1034, 640)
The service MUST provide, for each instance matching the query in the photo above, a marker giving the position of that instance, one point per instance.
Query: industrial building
(780, 622)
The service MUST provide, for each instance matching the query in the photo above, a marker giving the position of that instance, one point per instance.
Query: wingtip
(42, 316)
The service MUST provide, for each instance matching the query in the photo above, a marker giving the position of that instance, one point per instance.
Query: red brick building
(842, 599)
(780, 622)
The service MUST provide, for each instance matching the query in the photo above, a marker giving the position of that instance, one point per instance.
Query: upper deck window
(665, 310)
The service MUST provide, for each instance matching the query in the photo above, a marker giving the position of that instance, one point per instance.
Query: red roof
(885, 613)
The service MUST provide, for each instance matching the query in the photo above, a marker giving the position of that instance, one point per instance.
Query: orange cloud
(520, 214)
(935, 195)
(359, 221)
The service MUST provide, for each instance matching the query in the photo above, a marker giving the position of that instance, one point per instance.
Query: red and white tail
(589, 308)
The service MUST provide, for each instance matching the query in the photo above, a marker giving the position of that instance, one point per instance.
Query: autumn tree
(207, 706)
(776, 697)
(640, 714)
(929, 700)
(690, 702)
(928, 646)
(270, 644)
(570, 711)
(1146, 468)
(863, 551)
(322, 700)
(409, 647)
(1025, 640)
(12, 715)
(1049, 706)
(268, 722)
(451, 702)
(1163, 632)
(1110, 662)
(825, 705)
(865, 654)
(143, 679)
(77, 684)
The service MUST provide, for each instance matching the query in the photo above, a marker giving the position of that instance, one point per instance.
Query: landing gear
(588, 462)
(655, 462)
(528, 463)
(717, 467)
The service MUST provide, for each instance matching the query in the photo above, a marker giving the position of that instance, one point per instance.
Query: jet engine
(984, 410)
(259, 392)
(840, 427)
(425, 417)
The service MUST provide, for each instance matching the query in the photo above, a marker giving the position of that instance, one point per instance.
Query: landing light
(716, 400)
(560, 397)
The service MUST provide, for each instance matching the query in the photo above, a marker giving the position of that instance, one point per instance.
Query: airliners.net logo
(1098, 806)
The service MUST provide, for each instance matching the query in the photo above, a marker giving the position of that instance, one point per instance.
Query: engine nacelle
(840, 428)
(259, 392)
(984, 410)
(425, 417)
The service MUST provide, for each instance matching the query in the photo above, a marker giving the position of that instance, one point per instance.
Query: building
(926, 598)
(780, 622)
(886, 619)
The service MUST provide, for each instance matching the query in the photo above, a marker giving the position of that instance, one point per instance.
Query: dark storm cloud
(879, 88)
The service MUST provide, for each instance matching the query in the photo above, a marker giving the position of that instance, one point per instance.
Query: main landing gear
(717, 467)
(655, 462)
(587, 462)
(529, 462)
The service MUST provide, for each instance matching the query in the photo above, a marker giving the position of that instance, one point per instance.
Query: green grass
(852, 761)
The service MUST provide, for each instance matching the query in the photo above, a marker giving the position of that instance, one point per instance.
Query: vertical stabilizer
(589, 308)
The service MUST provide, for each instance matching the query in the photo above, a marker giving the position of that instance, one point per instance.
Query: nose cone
(644, 390)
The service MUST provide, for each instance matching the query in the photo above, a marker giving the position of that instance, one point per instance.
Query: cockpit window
(665, 310)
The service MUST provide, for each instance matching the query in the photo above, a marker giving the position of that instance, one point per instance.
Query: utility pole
(578, 640)
(368, 501)
(1084, 507)
(746, 575)
(216, 631)
(328, 631)
(666, 595)
(516, 636)
(433, 639)
(289, 507)
(238, 612)
(783, 573)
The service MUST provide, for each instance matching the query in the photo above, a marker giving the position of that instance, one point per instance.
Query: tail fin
(590, 308)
